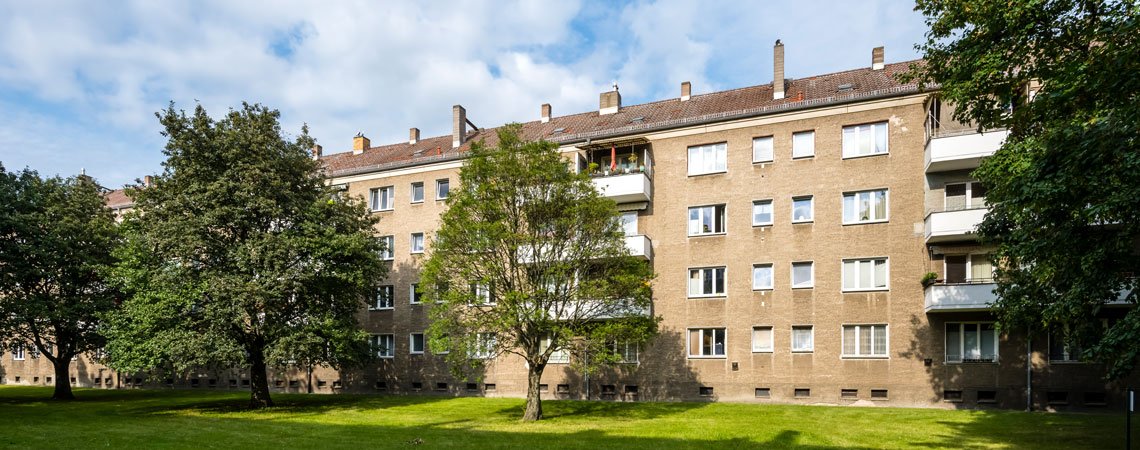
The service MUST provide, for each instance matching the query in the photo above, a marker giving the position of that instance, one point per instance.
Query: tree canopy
(56, 243)
(240, 255)
(531, 260)
(1060, 75)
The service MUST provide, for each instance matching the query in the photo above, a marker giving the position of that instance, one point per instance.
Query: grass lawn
(217, 419)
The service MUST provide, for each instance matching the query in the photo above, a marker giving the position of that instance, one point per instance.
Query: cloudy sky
(80, 81)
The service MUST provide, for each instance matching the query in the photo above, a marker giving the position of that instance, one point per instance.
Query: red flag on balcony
(613, 158)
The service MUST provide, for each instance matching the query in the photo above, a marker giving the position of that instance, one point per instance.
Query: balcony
(639, 246)
(961, 151)
(945, 226)
(625, 188)
(951, 297)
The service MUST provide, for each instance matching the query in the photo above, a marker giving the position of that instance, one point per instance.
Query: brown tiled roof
(118, 199)
(858, 84)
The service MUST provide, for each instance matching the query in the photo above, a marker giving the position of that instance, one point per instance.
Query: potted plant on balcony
(929, 279)
(632, 161)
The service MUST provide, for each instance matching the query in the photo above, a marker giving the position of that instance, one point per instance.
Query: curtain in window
(801, 339)
(981, 269)
(762, 339)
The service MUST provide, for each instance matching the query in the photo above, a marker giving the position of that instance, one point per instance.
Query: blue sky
(80, 81)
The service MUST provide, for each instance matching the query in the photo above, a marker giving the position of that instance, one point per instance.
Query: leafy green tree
(56, 243)
(1060, 75)
(530, 260)
(240, 255)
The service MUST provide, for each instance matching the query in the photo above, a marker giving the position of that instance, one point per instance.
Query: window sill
(708, 357)
(1067, 363)
(857, 291)
(866, 222)
(708, 297)
(794, 222)
(706, 173)
(976, 363)
(763, 352)
(798, 158)
(383, 210)
(803, 287)
(386, 357)
(382, 309)
(803, 352)
(886, 153)
(418, 203)
(861, 357)
(415, 303)
(763, 289)
(770, 161)
(762, 225)
(415, 353)
(417, 253)
(708, 234)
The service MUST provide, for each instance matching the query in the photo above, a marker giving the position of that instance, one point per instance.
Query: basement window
(802, 392)
(381, 386)
(472, 386)
(849, 394)
(416, 385)
(706, 391)
(1095, 399)
(563, 389)
(952, 395)
(1057, 398)
(544, 387)
(489, 387)
(987, 396)
(878, 394)
(763, 393)
(441, 386)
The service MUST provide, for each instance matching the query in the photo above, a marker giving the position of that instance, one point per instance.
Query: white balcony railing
(960, 297)
(963, 151)
(639, 245)
(625, 188)
(942, 226)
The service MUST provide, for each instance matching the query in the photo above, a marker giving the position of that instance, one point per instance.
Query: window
(803, 338)
(484, 346)
(706, 282)
(384, 344)
(971, 342)
(417, 242)
(864, 140)
(1061, 351)
(627, 351)
(18, 352)
(706, 342)
(763, 392)
(803, 209)
(803, 275)
(442, 188)
(974, 268)
(762, 340)
(762, 213)
(483, 294)
(706, 220)
(865, 206)
(415, 296)
(418, 192)
(801, 392)
(761, 277)
(762, 149)
(710, 158)
(389, 243)
(384, 297)
(865, 341)
(416, 343)
(380, 199)
(960, 196)
(803, 144)
(865, 274)
(560, 356)
(629, 223)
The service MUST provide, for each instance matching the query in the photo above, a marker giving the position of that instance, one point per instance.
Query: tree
(530, 260)
(240, 255)
(1064, 189)
(56, 242)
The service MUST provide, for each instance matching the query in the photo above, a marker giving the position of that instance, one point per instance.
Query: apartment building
(790, 224)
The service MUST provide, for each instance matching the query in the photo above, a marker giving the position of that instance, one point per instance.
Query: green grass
(217, 419)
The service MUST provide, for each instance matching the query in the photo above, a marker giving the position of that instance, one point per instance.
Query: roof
(820, 90)
(118, 199)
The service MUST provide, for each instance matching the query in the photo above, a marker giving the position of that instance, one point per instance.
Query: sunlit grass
(218, 419)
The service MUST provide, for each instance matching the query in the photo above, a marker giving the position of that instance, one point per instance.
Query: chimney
(458, 126)
(413, 135)
(686, 91)
(877, 58)
(317, 150)
(778, 76)
(545, 112)
(148, 181)
(360, 143)
(609, 102)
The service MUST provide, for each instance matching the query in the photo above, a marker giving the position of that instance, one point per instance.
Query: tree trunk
(62, 379)
(258, 380)
(533, 396)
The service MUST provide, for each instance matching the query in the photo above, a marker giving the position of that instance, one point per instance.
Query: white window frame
(483, 294)
(792, 274)
(701, 271)
(970, 268)
(771, 348)
(701, 343)
(719, 164)
(811, 208)
(389, 252)
(560, 356)
(412, 192)
(962, 342)
(19, 352)
(484, 346)
(771, 212)
(440, 182)
(412, 294)
(969, 195)
(623, 348)
(810, 152)
(857, 261)
(854, 195)
(855, 132)
(420, 237)
(1067, 356)
(412, 343)
(376, 202)
(701, 213)
(382, 351)
(391, 298)
(771, 276)
(771, 144)
(859, 329)
(811, 334)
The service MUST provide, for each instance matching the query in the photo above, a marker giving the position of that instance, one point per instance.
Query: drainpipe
(1028, 370)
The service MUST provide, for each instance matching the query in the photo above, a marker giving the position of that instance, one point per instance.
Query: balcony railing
(639, 245)
(625, 187)
(949, 297)
(961, 151)
(943, 226)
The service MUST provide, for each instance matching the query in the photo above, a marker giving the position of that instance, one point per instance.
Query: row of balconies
(961, 297)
